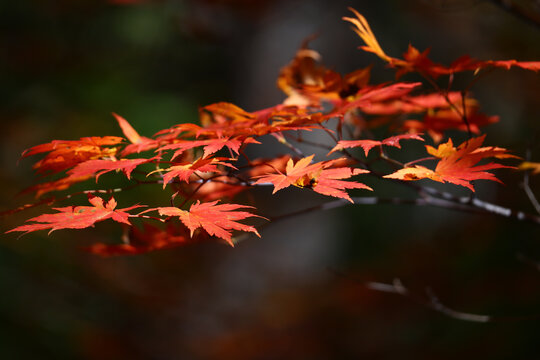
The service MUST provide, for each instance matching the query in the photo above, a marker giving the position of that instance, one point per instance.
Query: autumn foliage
(202, 168)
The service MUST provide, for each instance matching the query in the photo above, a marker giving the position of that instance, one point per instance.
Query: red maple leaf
(367, 145)
(78, 217)
(437, 122)
(184, 170)
(216, 220)
(370, 97)
(56, 185)
(211, 146)
(99, 167)
(408, 104)
(457, 165)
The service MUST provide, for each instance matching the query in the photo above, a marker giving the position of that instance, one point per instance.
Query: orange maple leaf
(216, 220)
(138, 143)
(416, 172)
(306, 82)
(293, 172)
(457, 165)
(367, 145)
(56, 185)
(319, 177)
(528, 165)
(78, 217)
(64, 154)
(329, 182)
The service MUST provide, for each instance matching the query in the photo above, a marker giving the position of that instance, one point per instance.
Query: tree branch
(458, 204)
(431, 301)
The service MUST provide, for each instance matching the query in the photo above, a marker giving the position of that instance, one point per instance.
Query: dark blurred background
(66, 64)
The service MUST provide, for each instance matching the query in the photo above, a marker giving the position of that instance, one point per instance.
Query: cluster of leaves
(207, 163)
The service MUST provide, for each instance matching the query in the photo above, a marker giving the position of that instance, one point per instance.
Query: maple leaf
(78, 217)
(306, 82)
(293, 172)
(363, 30)
(211, 146)
(329, 182)
(414, 60)
(319, 177)
(99, 167)
(371, 97)
(367, 145)
(416, 172)
(64, 154)
(507, 64)
(408, 104)
(185, 170)
(260, 166)
(216, 220)
(528, 165)
(94, 141)
(223, 113)
(57, 185)
(222, 120)
(185, 129)
(437, 122)
(138, 143)
(458, 165)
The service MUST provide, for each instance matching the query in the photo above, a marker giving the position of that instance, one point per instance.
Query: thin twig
(301, 140)
(284, 141)
(462, 114)
(527, 187)
(431, 301)
(529, 192)
(459, 204)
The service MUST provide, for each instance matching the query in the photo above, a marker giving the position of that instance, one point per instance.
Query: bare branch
(529, 192)
(457, 203)
(527, 187)
(430, 300)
